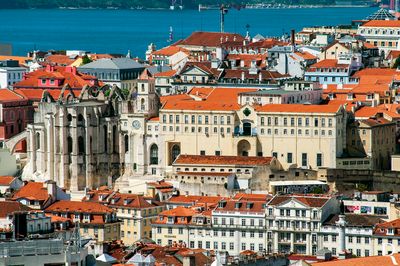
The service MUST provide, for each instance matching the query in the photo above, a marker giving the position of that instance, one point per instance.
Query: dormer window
(161, 218)
(182, 219)
(170, 219)
(43, 81)
(52, 81)
(350, 96)
(390, 231)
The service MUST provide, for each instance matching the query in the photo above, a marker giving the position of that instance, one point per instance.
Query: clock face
(136, 124)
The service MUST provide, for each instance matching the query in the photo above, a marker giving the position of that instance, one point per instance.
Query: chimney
(292, 37)
(51, 188)
(189, 260)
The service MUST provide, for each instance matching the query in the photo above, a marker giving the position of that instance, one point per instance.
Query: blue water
(116, 31)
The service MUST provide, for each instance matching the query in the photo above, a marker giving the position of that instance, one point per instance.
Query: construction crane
(223, 11)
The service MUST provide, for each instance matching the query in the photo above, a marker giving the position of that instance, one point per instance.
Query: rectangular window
(186, 119)
(289, 157)
(319, 159)
(304, 159)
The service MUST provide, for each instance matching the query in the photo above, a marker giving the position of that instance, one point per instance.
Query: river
(117, 31)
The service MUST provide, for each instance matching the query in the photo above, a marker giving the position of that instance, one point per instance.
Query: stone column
(50, 146)
(32, 147)
(237, 242)
(88, 154)
(74, 157)
(275, 248)
(308, 244)
(292, 242)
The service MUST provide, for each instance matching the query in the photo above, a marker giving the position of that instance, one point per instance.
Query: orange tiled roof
(68, 75)
(124, 200)
(306, 55)
(6, 180)
(8, 207)
(169, 73)
(210, 39)
(37, 94)
(170, 50)
(222, 160)
(212, 99)
(21, 59)
(311, 201)
(7, 95)
(369, 46)
(242, 206)
(78, 206)
(252, 197)
(32, 191)
(58, 59)
(329, 63)
(194, 199)
(365, 261)
(299, 108)
(160, 184)
(382, 23)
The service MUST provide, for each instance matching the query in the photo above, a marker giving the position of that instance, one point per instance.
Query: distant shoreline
(206, 8)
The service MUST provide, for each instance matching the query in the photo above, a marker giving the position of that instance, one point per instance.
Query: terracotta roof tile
(6, 180)
(222, 160)
(78, 206)
(366, 261)
(170, 50)
(299, 108)
(212, 101)
(329, 63)
(210, 39)
(7, 95)
(310, 201)
(8, 207)
(382, 23)
(32, 191)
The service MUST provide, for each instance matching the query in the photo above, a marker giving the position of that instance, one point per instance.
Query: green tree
(86, 60)
(397, 62)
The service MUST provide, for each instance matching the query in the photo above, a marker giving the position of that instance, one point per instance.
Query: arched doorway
(243, 148)
(246, 129)
(154, 154)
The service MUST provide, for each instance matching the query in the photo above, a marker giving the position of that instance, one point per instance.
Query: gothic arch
(154, 154)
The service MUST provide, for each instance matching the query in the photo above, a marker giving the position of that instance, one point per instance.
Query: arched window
(154, 154)
(126, 142)
(69, 144)
(69, 117)
(81, 145)
(37, 139)
(115, 139)
(142, 104)
(80, 118)
(105, 133)
(176, 150)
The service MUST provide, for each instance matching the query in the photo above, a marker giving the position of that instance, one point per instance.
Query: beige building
(96, 221)
(374, 139)
(383, 34)
(334, 50)
(135, 212)
(296, 134)
(213, 175)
